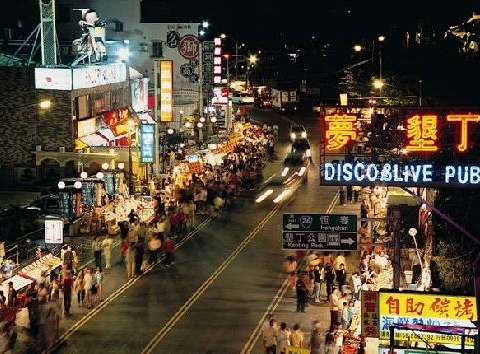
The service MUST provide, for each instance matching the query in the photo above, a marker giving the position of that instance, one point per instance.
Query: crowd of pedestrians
(142, 242)
(320, 279)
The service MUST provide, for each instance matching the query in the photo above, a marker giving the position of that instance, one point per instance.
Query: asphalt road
(228, 275)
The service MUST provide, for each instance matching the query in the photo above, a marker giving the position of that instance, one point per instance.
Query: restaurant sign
(441, 315)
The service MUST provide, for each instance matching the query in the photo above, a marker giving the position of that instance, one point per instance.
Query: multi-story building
(99, 102)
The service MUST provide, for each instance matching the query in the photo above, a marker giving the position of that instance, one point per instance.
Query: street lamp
(71, 203)
(252, 60)
(112, 185)
(236, 55)
(380, 39)
(213, 119)
(200, 125)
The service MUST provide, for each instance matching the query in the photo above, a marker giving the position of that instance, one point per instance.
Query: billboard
(421, 311)
(404, 146)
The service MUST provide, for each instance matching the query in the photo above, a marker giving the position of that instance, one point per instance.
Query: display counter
(47, 263)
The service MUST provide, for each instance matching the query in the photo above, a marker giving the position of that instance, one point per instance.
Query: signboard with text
(332, 232)
(432, 311)
(407, 146)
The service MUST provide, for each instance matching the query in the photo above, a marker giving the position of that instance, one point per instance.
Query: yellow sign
(166, 91)
(431, 306)
(426, 309)
(293, 350)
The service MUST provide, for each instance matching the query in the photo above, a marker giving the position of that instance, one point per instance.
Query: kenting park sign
(403, 146)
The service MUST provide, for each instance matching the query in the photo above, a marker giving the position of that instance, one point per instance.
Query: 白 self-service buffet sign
(401, 146)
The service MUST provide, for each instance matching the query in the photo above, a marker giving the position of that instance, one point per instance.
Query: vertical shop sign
(370, 325)
(166, 91)
(147, 143)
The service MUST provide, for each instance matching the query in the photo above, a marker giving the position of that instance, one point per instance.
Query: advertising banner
(448, 314)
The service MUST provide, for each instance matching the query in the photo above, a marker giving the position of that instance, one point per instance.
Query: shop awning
(79, 145)
(145, 118)
(94, 140)
(134, 73)
(107, 133)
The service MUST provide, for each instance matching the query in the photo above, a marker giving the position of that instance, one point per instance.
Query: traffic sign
(329, 232)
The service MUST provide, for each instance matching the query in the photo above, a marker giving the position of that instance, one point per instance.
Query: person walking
(334, 299)
(154, 245)
(97, 250)
(317, 282)
(297, 336)
(316, 339)
(341, 275)
(302, 294)
(130, 256)
(341, 194)
(107, 244)
(79, 288)
(331, 341)
(67, 287)
(283, 338)
(98, 279)
(88, 283)
(270, 335)
(68, 258)
(169, 249)
(329, 280)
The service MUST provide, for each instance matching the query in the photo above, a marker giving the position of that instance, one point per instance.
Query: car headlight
(304, 134)
(292, 136)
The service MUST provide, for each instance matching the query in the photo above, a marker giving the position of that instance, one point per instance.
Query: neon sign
(340, 131)
(360, 173)
(422, 133)
(405, 146)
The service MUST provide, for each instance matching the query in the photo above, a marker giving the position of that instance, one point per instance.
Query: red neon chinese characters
(463, 119)
(422, 133)
(464, 310)
(340, 131)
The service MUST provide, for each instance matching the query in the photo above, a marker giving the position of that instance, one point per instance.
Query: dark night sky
(265, 19)
(261, 21)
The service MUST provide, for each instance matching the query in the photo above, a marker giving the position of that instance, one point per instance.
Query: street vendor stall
(48, 264)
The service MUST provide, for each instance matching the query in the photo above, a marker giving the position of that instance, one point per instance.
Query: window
(157, 49)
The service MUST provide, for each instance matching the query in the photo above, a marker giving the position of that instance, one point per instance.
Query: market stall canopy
(134, 73)
(94, 140)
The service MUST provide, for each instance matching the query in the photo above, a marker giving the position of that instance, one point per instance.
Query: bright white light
(84, 174)
(302, 171)
(105, 165)
(304, 134)
(308, 153)
(61, 185)
(99, 175)
(123, 54)
(282, 196)
(285, 171)
(121, 165)
(77, 184)
(264, 196)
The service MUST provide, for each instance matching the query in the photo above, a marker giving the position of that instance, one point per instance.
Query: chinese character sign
(432, 310)
(369, 313)
(340, 131)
